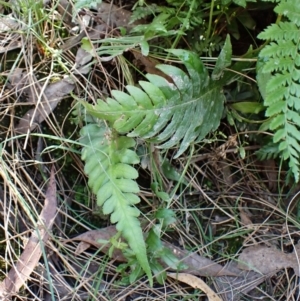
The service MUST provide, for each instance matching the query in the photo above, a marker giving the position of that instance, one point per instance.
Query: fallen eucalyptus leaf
(196, 282)
(268, 260)
(50, 99)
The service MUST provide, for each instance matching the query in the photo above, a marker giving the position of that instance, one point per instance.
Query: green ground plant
(166, 114)
(181, 112)
(278, 78)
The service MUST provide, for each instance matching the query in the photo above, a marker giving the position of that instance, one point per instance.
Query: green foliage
(79, 4)
(268, 151)
(108, 163)
(180, 111)
(112, 47)
(279, 63)
(167, 113)
(141, 12)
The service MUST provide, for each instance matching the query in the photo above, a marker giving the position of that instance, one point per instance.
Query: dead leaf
(9, 38)
(245, 218)
(114, 16)
(92, 238)
(51, 97)
(231, 288)
(82, 246)
(196, 282)
(225, 171)
(271, 171)
(108, 17)
(267, 260)
(31, 255)
(9, 23)
(81, 61)
(149, 65)
(197, 265)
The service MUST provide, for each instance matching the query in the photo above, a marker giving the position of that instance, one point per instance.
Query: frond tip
(108, 159)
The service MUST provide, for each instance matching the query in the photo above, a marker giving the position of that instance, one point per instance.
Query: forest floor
(237, 220)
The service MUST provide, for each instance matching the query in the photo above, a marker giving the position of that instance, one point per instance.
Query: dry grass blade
(30, 257)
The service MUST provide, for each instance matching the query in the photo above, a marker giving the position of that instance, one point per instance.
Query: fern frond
(182, 112)
(290, 9)
(108, 160)
(141, 12)
(282, 87)
(283, 31)
(268, 151)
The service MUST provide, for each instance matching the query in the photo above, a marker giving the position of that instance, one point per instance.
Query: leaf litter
(196, 264)
(33, 250)
(45, 97)
(267, 260)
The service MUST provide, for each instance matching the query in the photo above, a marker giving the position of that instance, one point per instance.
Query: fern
(108, 160)
(141, 12)
(179, 112)
(281, 59)
(167, 113)
(80, 4)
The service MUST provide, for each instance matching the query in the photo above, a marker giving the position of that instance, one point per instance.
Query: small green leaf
(279, 135)
(158, 271)
(167, 215)
(170, 259)
(171, 173)
(87, 45)
(246, 19)
(276, 108)
(248, 107)
(153, 241)
(79, 4)
(242, 152)
(144, 48)
(242, 3)
(277, 121)
(161, 194)
(224, 60)
(135, 273)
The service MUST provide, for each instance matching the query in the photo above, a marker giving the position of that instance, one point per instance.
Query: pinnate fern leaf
(281, 61)
(168, 113)
(108, 163)
(289, 8)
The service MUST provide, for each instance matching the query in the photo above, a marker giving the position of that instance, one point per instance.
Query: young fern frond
(166, 113)
(108, 163)
(281, 60)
